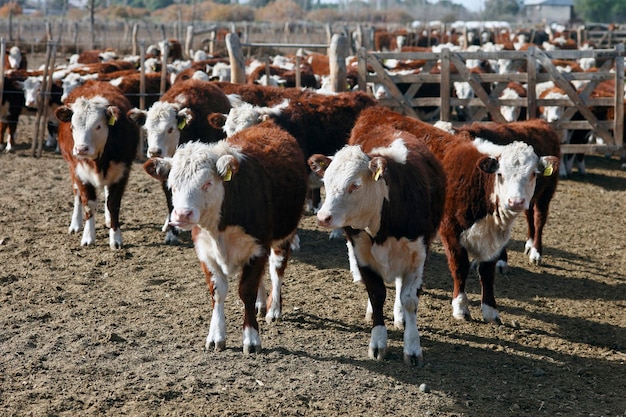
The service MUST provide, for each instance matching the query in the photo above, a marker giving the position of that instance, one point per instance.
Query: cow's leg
(113, 195)
(459, 264)
(486, 271)
(502, 266)
(377, 293)
(279, 256)
(89, 200)
(218, 287)
(261, 301)
(251, 277)
(51, 140)
(76, 224)
(409, 290)
(398, 310)
(171, 233)
(12, 126)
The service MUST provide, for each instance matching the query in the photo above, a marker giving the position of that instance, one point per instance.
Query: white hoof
(460, 307)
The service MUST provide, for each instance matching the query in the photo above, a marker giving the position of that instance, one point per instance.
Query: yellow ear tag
(228, 175)
(112, 120)
(547, 171)
(182, 124)
(378, 173)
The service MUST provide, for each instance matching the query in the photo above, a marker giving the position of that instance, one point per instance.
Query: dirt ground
(91, 331)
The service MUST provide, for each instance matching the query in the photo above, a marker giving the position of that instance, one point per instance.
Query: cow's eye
(170, 130)
(353, 187)
(206, 186)
(98, 127)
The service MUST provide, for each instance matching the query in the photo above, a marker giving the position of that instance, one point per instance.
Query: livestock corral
(97, 325)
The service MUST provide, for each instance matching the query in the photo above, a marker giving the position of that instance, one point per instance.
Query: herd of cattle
(239, 163)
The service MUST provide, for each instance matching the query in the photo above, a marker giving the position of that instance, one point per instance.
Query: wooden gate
(537, 68)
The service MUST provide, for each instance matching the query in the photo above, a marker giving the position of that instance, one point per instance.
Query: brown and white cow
(180, 116)
(99, 144)
(544, 140)
(242, 198)
(488, 186)
(387, 191)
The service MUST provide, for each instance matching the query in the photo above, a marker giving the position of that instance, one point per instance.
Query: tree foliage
(601, 11)
(499, 9)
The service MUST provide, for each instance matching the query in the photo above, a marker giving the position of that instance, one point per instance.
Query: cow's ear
(63, 113)
(377, 165)
(137, 116)
(488, 164)
(216, 120)
(158, 168)
(319, 163)
(227, 165)
(548, 164)
(112, 114)
(184, 117)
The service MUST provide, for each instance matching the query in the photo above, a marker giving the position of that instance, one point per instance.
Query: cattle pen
(531, 67)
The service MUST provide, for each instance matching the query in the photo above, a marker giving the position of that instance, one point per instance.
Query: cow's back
(281, 181)
(203, 98)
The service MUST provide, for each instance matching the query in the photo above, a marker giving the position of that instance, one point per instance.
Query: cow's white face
(162, 129)
(90, 122)
(32, 88)
(355, 191)
(510, 113)
(553, 113)
(243, 115)
(196, 178)
(516, 168)
(70, 82)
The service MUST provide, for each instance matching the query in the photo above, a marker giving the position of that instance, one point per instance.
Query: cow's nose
(181, 214)
(324, 220)
(81, 150)
(154, 152)
(516, 204)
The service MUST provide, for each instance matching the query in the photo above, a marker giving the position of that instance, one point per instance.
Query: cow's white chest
(485, 238)
(88, 175)
(225, 253)
(394, 258)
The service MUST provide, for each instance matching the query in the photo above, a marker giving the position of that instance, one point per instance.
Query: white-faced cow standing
(180, 116)
(99, 144)
(242, 197)
(387, 190)
(488, 186)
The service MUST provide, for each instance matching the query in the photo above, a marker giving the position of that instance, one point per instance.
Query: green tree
(601, 11)
(496, 9)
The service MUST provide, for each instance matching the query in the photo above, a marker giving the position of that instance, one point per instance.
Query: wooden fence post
(189, 42)
(134, 37)
(337, 54)
(237, 62)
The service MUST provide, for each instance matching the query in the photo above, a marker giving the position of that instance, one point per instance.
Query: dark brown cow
(320, 123)
(99, 144)
(242, 198)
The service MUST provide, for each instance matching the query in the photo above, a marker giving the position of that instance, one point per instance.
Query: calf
(242, 198)
(387, 190)
(99, 144)
(544, 140)
(487, 187)
(179, 116)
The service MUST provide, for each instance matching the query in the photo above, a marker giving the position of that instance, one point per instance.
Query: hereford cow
(242, 198)
(31, 87)
(11, 108)
(99, 144)
(320, 123)
(387, 190)
(179, 116)
(15, 59)
(544, 140)
(488, 186)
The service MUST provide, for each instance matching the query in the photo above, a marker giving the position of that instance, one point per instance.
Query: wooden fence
(487, 104)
